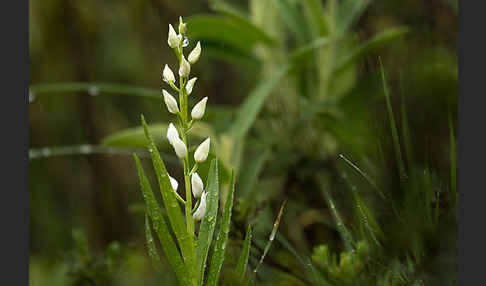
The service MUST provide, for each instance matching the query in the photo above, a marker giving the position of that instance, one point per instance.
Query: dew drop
(31, 96)
(185, 43)
(93, 91)
(46, 152)
(85, 149)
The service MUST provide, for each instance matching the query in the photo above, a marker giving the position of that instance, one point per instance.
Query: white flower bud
(199, 109)
(194, 54)
(173, 183)
(179, 147)
(182, 26)
(197, 185)
(184, 68)
(172, 133)
(202, 151)
(190, 85)
(168, 74)
(201, 209)
(173, 40)
(171, 102)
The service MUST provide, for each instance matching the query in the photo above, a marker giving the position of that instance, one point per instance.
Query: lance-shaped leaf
(206, 230)
(171, 204)
(244, 255)
(152, 250)
(160, 226)
(220, 247)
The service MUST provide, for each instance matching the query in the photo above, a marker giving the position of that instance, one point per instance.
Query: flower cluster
(177, 134)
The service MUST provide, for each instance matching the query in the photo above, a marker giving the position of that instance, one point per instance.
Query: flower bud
(179, 147)
(190, 85)
(173, 183)
(201, 210)
(197, 185)
(194, 54)
(171, 102)
(172, 133)
(168, 74)
(184, 67)
(173, 40)
(202, 151)
(182, 26)
(199, 109)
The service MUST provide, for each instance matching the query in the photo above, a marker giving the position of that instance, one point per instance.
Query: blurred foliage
(298, 107)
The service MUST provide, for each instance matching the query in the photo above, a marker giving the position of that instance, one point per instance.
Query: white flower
(172, 133)
(199, 109)
(168, 74)
(173, 183)
(195, 53)
(182, 26)
(179, 147)
(173, 40)
(184, 68)
(171, 102)
(190, 85)
(201, 210)
(197, 185)
(202, 151)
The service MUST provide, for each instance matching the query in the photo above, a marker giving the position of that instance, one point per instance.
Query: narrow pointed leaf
(252, 105)
(160, 226)
(220, 248)
(393, 126)
(206, 230)
(171, 204)
(152, 250)
(244, 255)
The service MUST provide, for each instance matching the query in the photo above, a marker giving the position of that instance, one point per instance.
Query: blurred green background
(86, 210)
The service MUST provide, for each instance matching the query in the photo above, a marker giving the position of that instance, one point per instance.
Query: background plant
(277, 161)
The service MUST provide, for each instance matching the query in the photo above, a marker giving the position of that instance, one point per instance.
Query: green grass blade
(83, 149)
(135, 136)
(407, 141)
(252, 105)
(206, 230)
(171, 204)
(244, 255)
(362, 173)
(271, 238)
(372, 44)
(349, 12)
(95, 88)
(152, 250)
(220, 247)
(393, 126)
(343, 231)
(292, 18)
(160, 226)
(316, 16)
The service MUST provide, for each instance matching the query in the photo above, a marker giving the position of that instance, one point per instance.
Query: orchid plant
(189, 264)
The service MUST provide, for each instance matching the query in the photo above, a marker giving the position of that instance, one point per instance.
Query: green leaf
(244, 255)
(152, 250)
(372, 44)
(240, 20)
(220, 248)
(90, 87)
(349, 12)
(315, 14)
(225, 31)
(294, 20)
(206, 229)
(248, 111)
(135, 137)
(160, 226)
(171, 204)
(393, 126)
